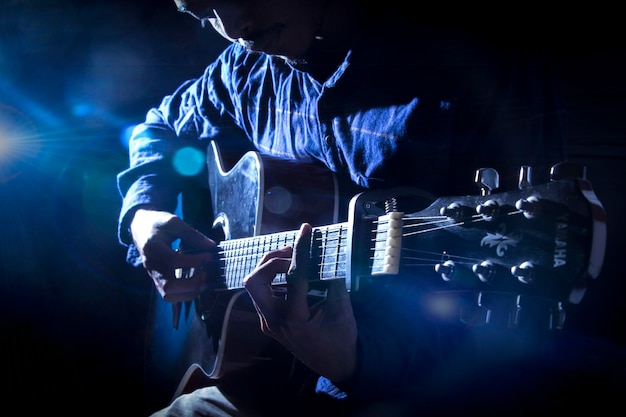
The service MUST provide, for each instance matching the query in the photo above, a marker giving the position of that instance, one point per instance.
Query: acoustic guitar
(543, 241)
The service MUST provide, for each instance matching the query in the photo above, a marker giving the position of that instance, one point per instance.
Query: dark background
(74, 75)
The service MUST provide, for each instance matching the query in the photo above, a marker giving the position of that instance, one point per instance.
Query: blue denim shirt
(388, 114)
(379, 122)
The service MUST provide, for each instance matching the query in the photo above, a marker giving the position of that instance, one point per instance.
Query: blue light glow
(188, 161)
(125, 135)
(18, 142)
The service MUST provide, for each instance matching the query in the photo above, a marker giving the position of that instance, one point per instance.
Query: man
(382, 97)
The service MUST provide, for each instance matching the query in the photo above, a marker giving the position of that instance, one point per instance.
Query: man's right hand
(153, 234)
(322, 335)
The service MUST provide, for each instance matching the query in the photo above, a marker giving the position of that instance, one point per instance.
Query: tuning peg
(525, 177)
(530, 206)
(524, 272)
(485, 270)
(446, 270)
(487, 180)
(457, 212)
(565, 170)
(488, 210)
(557, 316)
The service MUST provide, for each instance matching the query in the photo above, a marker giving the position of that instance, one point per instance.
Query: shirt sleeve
(196, 112)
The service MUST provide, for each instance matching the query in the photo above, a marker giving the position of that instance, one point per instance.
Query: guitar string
(332, 259)
(431, 258)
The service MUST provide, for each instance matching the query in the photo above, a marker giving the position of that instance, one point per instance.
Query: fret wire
(323, 239)
(236, 271)
(239, 262)
(338, 253)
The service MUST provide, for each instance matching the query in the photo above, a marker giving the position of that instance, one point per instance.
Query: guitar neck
(524, 242)
(329, 246)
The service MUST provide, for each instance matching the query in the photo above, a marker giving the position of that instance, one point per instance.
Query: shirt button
(329, 140)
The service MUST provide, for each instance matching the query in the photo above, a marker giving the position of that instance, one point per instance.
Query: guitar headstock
(544, 241)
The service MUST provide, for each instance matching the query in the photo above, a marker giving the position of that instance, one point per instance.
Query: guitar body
(219, 332)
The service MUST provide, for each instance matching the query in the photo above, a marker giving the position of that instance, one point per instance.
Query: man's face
(277, 27)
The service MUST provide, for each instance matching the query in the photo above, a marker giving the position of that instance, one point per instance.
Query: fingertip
(336, 288)
(207, 244)
(284, 252)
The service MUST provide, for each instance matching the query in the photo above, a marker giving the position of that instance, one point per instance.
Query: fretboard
(329, 248)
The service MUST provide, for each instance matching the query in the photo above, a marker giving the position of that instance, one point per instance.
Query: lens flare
(188, 161)
(18, 142)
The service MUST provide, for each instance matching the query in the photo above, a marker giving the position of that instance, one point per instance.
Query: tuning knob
(525, 177)
(524, 272)
(487, 180)
(485, 271)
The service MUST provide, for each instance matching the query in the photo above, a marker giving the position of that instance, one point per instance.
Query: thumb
(299, 270)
